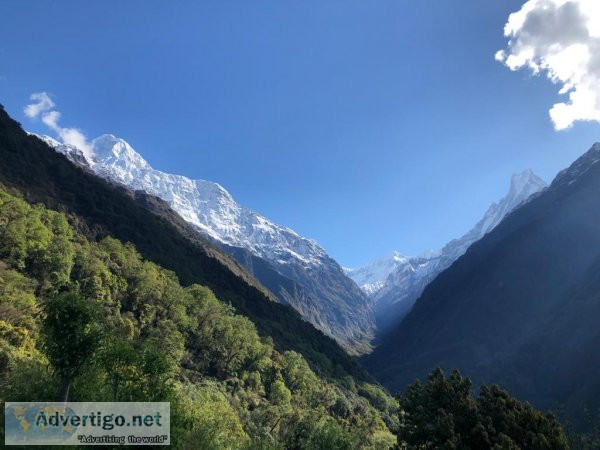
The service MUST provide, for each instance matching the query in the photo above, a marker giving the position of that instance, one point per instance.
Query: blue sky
(368, 126)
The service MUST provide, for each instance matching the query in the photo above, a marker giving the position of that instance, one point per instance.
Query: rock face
(395, 283)
(296, 269)
(521, 307)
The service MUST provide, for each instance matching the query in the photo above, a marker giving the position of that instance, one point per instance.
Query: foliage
(443, 413)
(209, 421)
(99, 319)
(71, 334)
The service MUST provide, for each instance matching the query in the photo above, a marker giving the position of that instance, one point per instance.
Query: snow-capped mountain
(522, 187)
(394, 293)
(205, 204)
(371, 278)
(322, 293)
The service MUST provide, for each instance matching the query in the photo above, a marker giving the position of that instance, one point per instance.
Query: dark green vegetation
(444, 414)
(94, 321)
(521, 308)
(71, 335)
(43, 176)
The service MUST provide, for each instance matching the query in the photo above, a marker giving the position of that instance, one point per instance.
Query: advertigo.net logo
(87, 423)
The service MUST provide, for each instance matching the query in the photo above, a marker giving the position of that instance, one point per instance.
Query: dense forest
(141, 336)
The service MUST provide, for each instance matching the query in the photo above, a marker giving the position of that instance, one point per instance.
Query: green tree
(309, 432)
(443, 413)
(237, 345)
(526, 427)
(119, 359)
(13, 230)
(298, 375)
(279, 394)
(18, 316)
(204, 419)
(71, 335)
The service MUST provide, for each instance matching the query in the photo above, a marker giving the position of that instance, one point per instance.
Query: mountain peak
(522, 186)
(395, 286)
(519, 179)
(526, 181)
(394, 256)
(113, 150)
(371, 278)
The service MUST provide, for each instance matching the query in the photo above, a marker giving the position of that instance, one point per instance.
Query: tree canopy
(99, 321)
(443, 413)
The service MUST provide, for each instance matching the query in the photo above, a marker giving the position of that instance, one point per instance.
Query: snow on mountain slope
(205, 204)
(328, 298)
(371, 277)
(395, 294)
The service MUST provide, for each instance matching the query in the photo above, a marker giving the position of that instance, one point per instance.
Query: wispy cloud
(560, 38)
(43, 107)
(43, 102)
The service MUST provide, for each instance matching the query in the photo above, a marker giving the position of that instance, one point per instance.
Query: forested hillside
(94, 321)
(42, 175)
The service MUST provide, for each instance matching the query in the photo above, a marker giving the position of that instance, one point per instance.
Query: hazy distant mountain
(521, 307)
(371, 278)
(394, 283)
(319, 289)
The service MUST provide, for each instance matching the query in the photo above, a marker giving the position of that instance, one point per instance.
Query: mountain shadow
(521, 307)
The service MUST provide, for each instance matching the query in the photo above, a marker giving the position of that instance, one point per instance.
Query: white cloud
(71, 136)
(560, 38)
(43, 107)
(43, 102)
